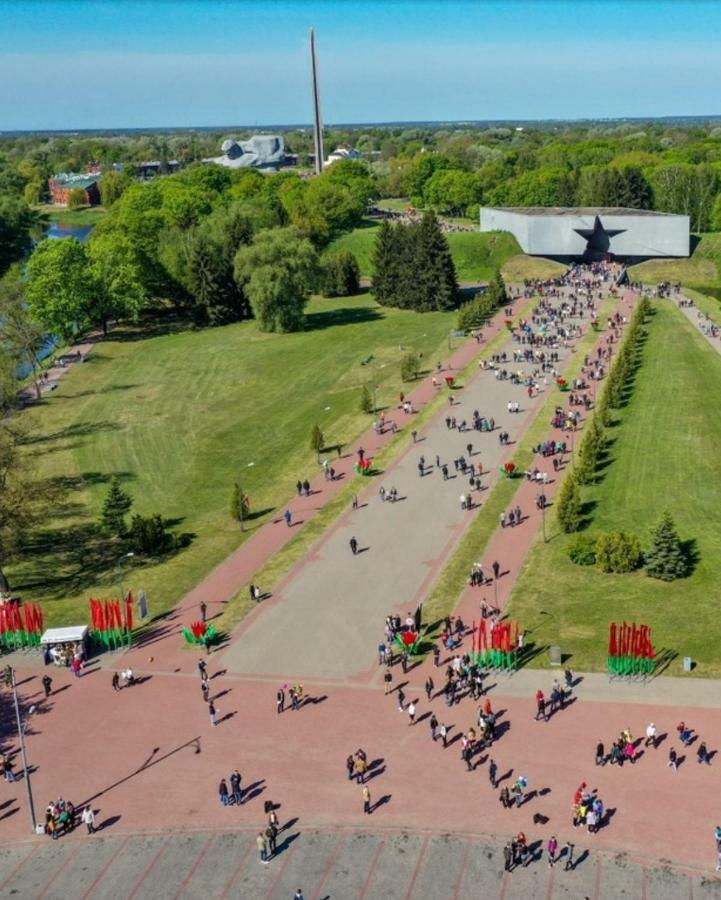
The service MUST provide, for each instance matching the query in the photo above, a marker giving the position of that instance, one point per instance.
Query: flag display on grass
(630, 651)
(21, 625)
(408, 642)
(200, 633)
(111, 623)
(495, 648)
(363, 466)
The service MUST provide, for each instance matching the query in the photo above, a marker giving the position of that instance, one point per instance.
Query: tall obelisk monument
(317, 121)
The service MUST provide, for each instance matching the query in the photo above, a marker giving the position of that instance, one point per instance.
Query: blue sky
(129, 63)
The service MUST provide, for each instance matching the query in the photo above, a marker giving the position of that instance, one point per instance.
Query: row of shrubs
(620, 552)
(570, 516)
(617, 551)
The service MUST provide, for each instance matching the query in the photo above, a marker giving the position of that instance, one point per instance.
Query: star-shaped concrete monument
(598, 238)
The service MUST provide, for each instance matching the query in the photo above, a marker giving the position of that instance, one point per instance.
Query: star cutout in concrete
(598, 238)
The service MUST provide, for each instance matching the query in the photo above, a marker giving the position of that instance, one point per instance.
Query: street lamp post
(21, 736)
(120, 571)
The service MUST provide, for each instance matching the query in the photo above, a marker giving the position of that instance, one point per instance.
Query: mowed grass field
(664, 455)
(179, 417)
(476, 256)
(702, 269)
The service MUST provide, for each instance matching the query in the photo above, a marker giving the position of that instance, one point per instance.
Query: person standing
(47, 685)
(673, 759)
(496, 569)
(387, 681)
(280, 700)
(411, 713)
(271, 833)
(650, 736)
(492, 773)
(223, 791)
(540, 706)
(366, 800)
(600, 755)
(353, 546)
(88, 819)
(443, 731)
(507, 857)
(203, 611)
(262, 847)
(116, 681)
(298, 894)
(287, 516)
(350, 767)
(434, 726)
(205, 690)
(235, 787)
(569, 856)
(212, 713)
(360, 767)
(401, 700)
(552, 847)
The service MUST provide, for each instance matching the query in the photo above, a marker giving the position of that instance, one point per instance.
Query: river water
(55, 230)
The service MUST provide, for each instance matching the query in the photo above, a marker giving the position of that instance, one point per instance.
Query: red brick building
(61, 185)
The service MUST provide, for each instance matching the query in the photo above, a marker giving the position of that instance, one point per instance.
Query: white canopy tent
(71, 635)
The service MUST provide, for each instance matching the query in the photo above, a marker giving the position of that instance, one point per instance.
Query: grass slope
(77, 217)
(179, 417)
(664, 455)
(702, 269)
(476, 255)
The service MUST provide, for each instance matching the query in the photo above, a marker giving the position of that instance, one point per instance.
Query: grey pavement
(327, 620)
(333, 865)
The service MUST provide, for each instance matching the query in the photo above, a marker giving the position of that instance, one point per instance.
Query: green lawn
(664, 455)
(476, 255)
(701, 270)
(180, 416)
(78, 217)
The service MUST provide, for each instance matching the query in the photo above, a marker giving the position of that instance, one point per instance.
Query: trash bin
(555, 654)
(687, 664)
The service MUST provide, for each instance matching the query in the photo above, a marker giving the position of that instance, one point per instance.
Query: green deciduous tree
(665, 558)
(16, 220)
(117, 275)
(20, 336)
(340, 274)
(277, 272)
(61, 286)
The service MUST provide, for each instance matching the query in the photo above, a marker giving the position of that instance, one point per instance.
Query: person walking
(492, 773)
(540, 706)
(350, 766)
(280, 700)
(87, 817)
(287, 515)
(429, 687)
(262, 847)
(569, 856)
(401, 700)
(366, 800)
(412, 713)
(116, 681)
(235, 787)
(203, 611)
(47, 685)
(353, 546)
(223, 791)
(443, 731)
(360, 767)
(212, 713)
(205, 690)
(702, 755)
(298, 894)
(7, 768)
(496, 569)
(673, 759)
(434, 726)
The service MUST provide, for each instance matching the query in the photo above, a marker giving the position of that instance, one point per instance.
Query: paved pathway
(238, 569)
(334, 865)
(326, 616)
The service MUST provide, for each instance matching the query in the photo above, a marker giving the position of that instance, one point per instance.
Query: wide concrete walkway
(333, 865)
(327, 618)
